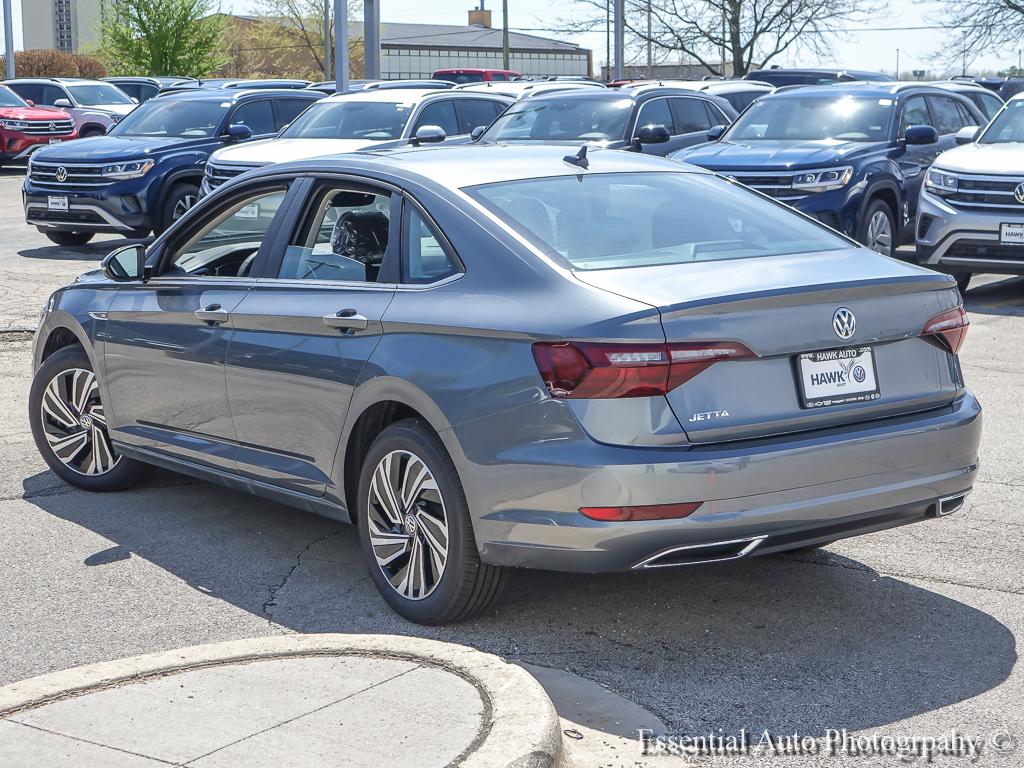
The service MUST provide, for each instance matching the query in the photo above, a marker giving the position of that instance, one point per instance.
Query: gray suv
(490, 357)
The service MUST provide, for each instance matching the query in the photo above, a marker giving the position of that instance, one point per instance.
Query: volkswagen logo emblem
(1018, 193)
(61, 174)
(844, 323)
(53, 127)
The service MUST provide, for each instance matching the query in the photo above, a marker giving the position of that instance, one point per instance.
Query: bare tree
(976, 26)
(744, 34)
(309, 19)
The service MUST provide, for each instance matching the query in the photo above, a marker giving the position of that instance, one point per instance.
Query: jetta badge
(61, 174)
(1018, 193)
(844, 323)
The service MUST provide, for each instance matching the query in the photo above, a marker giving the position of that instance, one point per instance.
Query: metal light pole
(8, 39)
(504, 35)
(327, 40)
(650, 48)
(371, 39)
(608, 39)
(620, 37)
(341, 46)
(897, 63)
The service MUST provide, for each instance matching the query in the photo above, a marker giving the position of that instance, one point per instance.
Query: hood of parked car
(997, 159)
(32, 113)
(114, 109)
(773, 155)
(107, 148)
(285, 150)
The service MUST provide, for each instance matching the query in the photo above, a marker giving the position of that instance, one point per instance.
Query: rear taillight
(951, 326)
(587, 370)
(649, 512)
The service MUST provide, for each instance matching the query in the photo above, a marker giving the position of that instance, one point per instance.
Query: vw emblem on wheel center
(61, 174)
(844, 323)
(1018, 193)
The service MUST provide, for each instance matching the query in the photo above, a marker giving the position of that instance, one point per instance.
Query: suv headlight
(132, 170)
(824, 180)
(940, 182)
(14, 125)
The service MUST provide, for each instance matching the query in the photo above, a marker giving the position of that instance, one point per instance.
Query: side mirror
(477, 132)
(429, 134)
(966, 134)
(238, 132)
(716, 132)
(61, 103)
(125, 264)
(921, 134)
(30, 102)
(653, 134)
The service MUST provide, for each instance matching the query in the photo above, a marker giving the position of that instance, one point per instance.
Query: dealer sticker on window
(837, 376)
(251, 211)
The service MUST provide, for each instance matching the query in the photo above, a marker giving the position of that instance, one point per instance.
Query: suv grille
(48, 127)
(777, 185)
(67, 176)
(218, 174)
(988, 193)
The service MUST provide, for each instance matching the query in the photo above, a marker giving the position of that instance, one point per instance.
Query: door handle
(212, 315)
(347, 319)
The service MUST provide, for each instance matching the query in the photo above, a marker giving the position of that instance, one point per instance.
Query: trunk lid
(781, 307)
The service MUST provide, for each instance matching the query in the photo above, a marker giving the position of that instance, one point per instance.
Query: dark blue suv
(852, 156)
(145, 173)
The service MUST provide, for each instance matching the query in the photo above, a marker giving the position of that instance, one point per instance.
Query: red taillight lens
(584, 370)
(951, 326)
(649, 512)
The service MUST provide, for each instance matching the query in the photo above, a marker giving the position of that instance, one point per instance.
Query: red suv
(23, 127)
(460, 76)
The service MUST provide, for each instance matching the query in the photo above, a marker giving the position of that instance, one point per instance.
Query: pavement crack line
(271, 600)
(87, 741)
(304, 714)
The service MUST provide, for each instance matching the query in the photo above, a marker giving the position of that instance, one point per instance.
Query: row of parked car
(855, 154)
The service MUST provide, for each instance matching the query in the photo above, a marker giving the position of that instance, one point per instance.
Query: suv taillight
(589, 370)
(951, 326)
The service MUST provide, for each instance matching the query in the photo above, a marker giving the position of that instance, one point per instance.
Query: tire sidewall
(178, 192)
(873, 207)
(419, 439)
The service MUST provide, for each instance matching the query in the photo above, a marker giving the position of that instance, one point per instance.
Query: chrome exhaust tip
(947, 505)
(702, 554)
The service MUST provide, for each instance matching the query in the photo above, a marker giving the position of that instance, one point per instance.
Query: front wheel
(877, 230)
(68, 239)
(69, 425)
(416, 532)
(178, 201)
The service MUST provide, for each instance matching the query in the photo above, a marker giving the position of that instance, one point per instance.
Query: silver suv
(971, 214)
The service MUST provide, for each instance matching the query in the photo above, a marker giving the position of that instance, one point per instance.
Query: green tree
(162, 37)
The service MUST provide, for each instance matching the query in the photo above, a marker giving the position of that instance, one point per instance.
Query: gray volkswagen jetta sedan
(501, 356)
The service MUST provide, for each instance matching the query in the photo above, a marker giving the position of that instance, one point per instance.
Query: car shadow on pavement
(1001, 297)
(782, 643)
(94, 251)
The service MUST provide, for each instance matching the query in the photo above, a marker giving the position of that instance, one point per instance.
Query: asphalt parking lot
(908, 632)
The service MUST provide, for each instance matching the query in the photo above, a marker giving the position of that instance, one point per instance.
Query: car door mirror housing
(921, 134)
(478, 132)
(30, 102)
(716, 132)
(238, 132)
(967, 134)
(61, 103)
(653, 134)
(125, 264)
(429, 134)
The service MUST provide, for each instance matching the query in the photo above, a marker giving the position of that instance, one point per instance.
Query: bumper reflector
(649, 512)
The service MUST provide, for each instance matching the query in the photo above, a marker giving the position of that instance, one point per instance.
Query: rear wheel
(69, 425)
(877, 229)
(176, 204)
(416, 531)
(68, 239)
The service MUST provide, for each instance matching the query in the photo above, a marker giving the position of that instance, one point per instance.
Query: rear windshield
(810, 118)
(460, 78)
(565, 119)
(351, 119)
(1008, 127)
(607, 221)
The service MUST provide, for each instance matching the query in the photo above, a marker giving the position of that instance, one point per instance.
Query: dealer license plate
(1011, 234)
(55, 203)
(837, 376)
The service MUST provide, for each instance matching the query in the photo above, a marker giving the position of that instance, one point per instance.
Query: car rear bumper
(954, 240)
(772, 494)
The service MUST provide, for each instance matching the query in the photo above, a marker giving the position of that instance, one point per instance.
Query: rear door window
(258, 115)
(690, 115)
(947, 116)
(424, 258)
(475, 112)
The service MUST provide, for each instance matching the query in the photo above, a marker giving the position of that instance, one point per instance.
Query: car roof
(465, 165)
(858, 88)
(407, 95)
(962, 86)
(61, 80)
(218, 94)
(818, 70)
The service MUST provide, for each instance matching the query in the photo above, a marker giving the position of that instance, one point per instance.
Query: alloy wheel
(879, 237)
(74, 423)
(182, 206)
(408, 525)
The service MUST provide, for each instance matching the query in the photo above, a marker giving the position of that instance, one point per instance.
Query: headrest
(361, 235)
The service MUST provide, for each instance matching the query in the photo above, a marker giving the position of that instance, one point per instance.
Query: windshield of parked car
(95, 94)
(795, 118)
(9, 98)
(351, 119)
(614, 220)
(1008, 126)
(173, 118)
(565, 119)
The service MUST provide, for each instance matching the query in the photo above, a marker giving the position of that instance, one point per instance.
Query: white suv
(971, 214)
(353, 121)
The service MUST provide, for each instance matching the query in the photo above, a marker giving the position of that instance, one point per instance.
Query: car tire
(963, 281)
(68, 239)
(877, 226)
(450, 583)
(69, 426)
(175, 205)
(91, 131)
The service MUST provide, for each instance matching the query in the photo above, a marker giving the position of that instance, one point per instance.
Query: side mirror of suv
(429, 134)
(238, 132)
(967, 134)
(125, 264)
(61, 103)
(477, 132)
(921, 134)
(653, 134)
(716, 132)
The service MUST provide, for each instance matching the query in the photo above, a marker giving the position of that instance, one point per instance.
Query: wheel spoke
(96, 413)
(68, 447)
(436, 541)
(55, 407)
(384, 493)
(82, 384)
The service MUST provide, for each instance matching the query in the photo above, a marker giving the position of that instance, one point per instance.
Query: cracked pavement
(913, 631)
